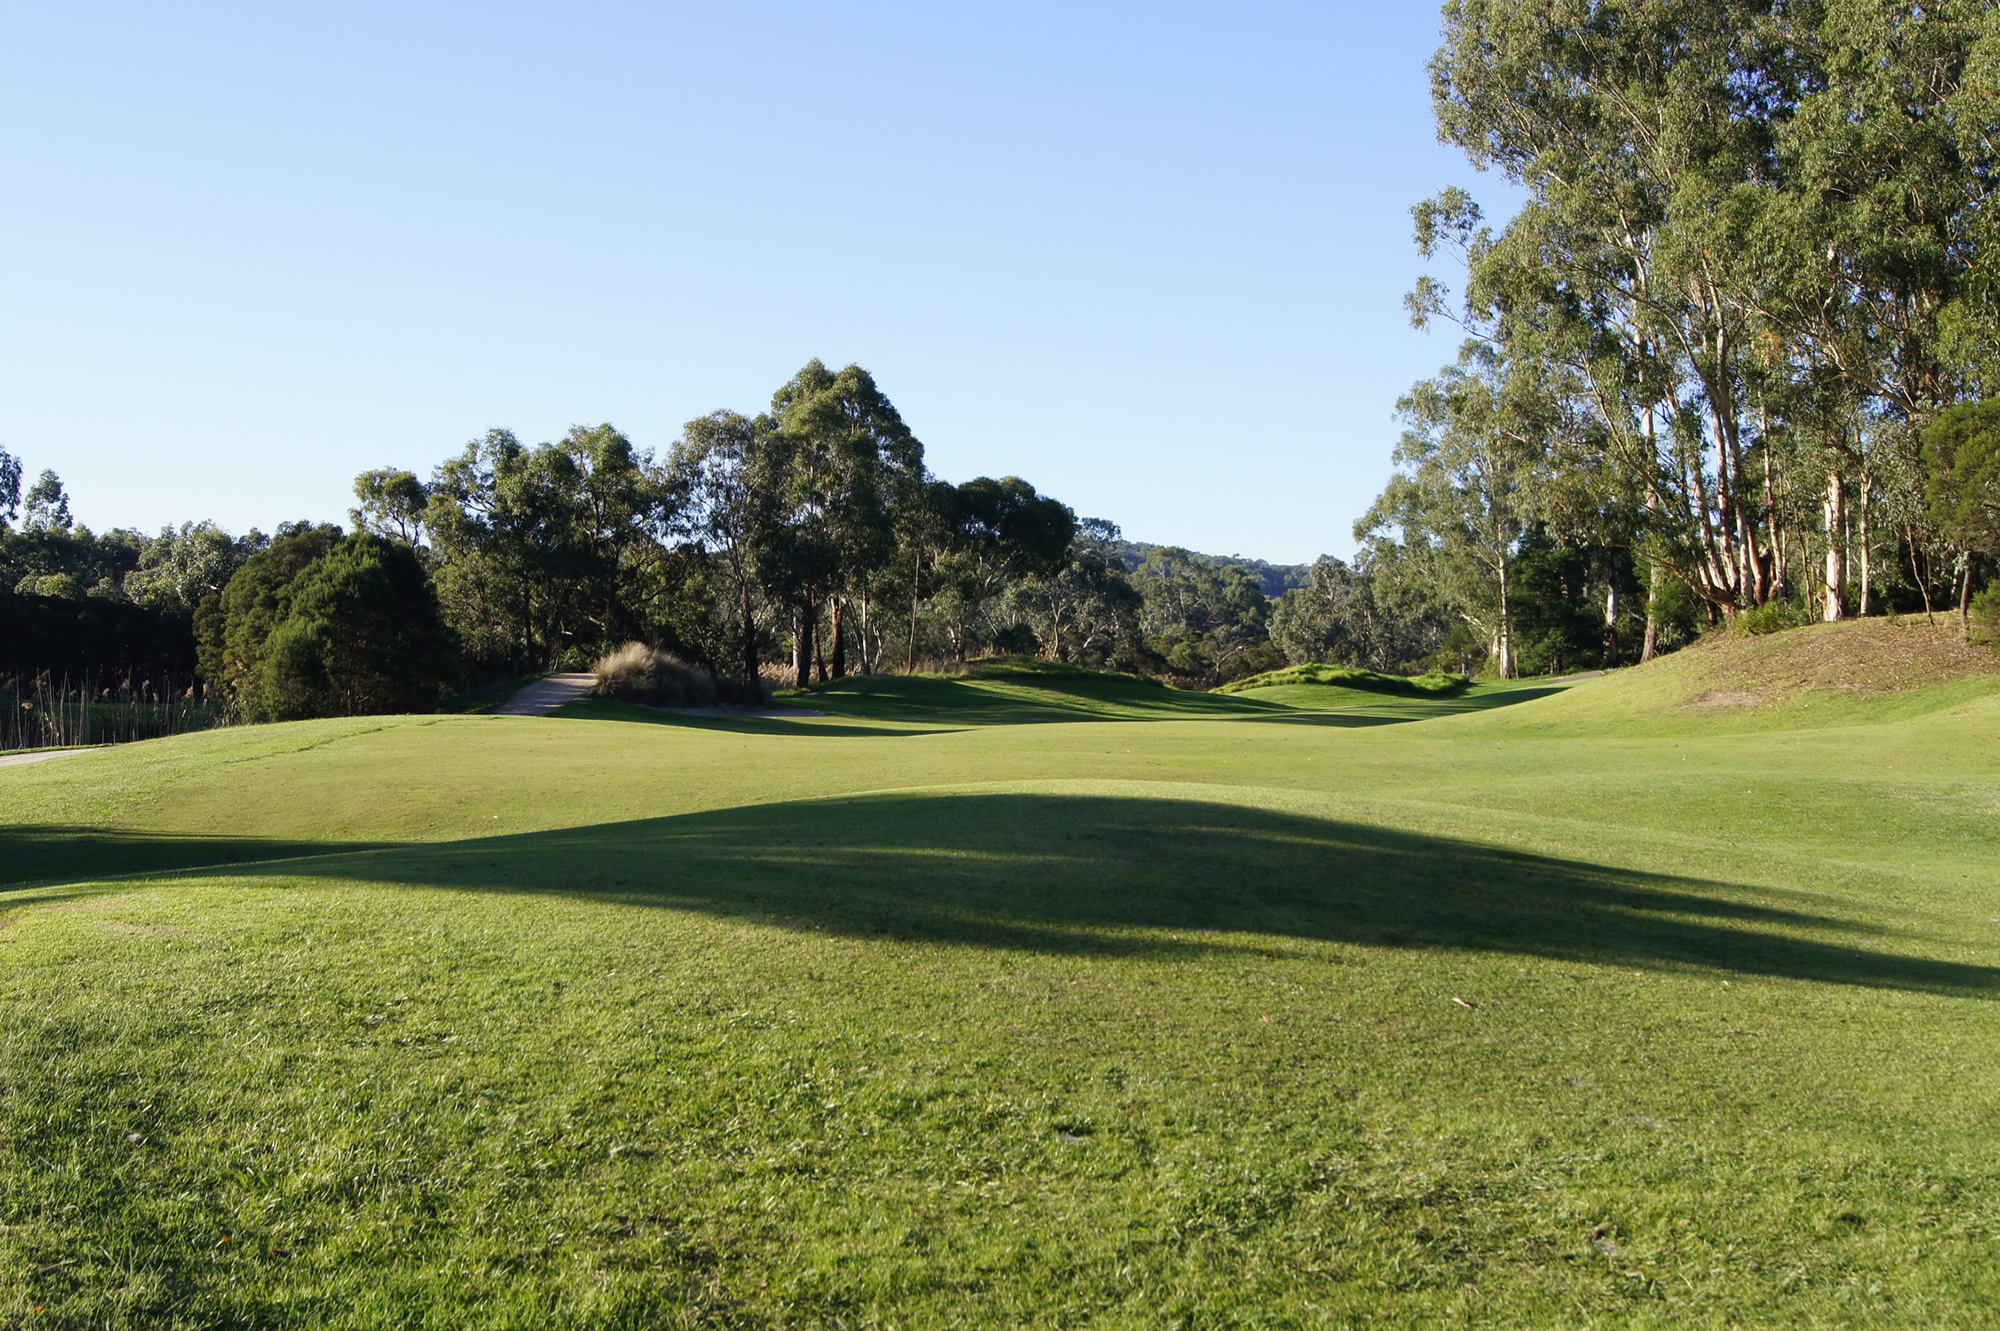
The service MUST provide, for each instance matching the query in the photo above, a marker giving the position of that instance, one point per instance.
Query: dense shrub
(1774, 617)
(320, 625)
(1985, 609)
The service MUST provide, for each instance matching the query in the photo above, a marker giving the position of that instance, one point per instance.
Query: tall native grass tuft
(642, 674)
(44, 711)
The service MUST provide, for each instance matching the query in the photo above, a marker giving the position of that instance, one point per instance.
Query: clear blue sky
(1149, 256)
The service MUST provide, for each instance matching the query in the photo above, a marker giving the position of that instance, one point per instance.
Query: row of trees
(810, 534)
(808, 541)
(1714, 359)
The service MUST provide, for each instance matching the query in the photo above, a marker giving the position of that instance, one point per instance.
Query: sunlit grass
(963, 1004)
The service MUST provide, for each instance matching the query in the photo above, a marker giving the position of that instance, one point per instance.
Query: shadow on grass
(1348, 710)
(1019, 700)
(43, 854)
(1157, 876)
(746, 724)
(934, 705)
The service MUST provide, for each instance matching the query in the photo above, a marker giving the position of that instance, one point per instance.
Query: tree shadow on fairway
(806, 726)
(41, 853)
(1159, 876)
(1019, 700)
(1354, 713)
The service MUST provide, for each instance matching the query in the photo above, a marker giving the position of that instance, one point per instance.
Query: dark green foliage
(108, 641)
(318, 625)
(1962, 448)
(47, 504)
(1274, 580)
(543, 554)
(1200, 622)
(72, 562)
(10, 488)
(1985, 613)
(1346, 614)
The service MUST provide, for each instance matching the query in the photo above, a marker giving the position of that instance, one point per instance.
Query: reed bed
(45, 711)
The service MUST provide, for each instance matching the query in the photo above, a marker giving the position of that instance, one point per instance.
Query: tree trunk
(1506, 632)
(839, 635)
(1650, 647)
(1835, 510)
(868, 656)
(1611, 627)
(1923, 586)
(805, 636)
(749, 634)
(1867, 566)
(1965, 597)
(910, 662)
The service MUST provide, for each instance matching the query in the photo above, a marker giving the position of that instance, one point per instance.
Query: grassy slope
(907, 1015)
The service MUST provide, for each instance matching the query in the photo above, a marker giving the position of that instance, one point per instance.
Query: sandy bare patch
(1728, 698)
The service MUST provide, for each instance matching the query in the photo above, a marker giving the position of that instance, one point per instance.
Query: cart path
(16, 759)
(545, 695)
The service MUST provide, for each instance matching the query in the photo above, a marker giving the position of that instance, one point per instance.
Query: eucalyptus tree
(391, 504)
(1757, 232)
(840, 464)
(1206, 619)
(10, 488)
(1635, 130)
(712, 476)
(1086, 608)
(1466, 489)
(1868, 264)
(543, 553)
(1000, 532)
(47, 505)
(182, 567)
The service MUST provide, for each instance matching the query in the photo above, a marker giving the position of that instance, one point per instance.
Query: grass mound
(1434, 685)
(1856, 672)
(1868, 655)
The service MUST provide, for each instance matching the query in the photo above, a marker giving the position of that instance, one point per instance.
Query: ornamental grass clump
(642, 674)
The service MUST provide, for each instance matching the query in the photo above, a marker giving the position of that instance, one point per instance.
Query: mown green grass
(982, 1002)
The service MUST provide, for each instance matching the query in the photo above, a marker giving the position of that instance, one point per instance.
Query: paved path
(545, 695)
(16, 759)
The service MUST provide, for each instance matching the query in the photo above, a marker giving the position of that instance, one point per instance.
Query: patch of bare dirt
(1858, 655)
(1729, 698)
